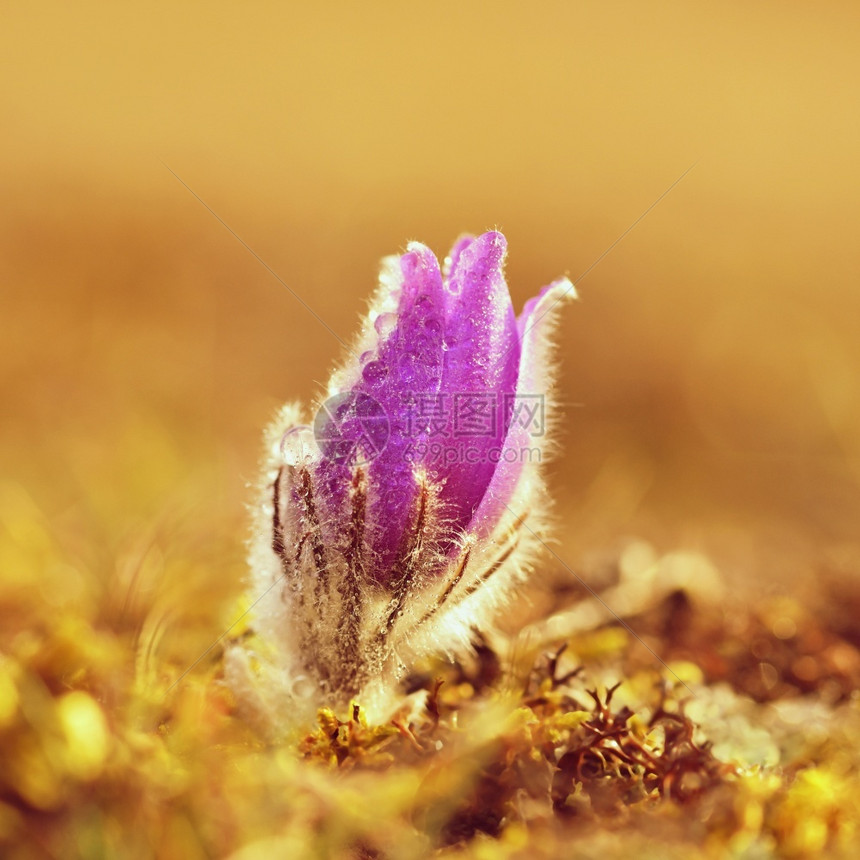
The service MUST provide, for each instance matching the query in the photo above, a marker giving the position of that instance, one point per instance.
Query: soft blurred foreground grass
(745, 741)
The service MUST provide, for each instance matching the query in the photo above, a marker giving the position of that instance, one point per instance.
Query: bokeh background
(711, 370)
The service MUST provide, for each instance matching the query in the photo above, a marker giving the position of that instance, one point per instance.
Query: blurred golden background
(711, 370)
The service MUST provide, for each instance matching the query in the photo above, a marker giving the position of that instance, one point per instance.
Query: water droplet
(366, 356)
(385, 324)
(374, 372)
(295, 445)
(424, 304)
(433, 325)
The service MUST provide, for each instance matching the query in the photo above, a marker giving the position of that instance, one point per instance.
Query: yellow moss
(8, 692)
(86, 730)
(683, 671)
(602, 643)
(570, 719)
(819, 810)
(127, 763)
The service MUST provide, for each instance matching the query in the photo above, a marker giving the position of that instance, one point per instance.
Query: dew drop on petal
(433, 324)
(296, 445)
(374, 372)
(424, 304)
(385, 324)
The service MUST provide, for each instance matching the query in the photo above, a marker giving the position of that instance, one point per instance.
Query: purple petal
(480, 368)
(405, 363)
(408, 365)
(453, 257)
(534, 378)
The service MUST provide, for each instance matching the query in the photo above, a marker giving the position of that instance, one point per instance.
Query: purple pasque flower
(402, 520)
